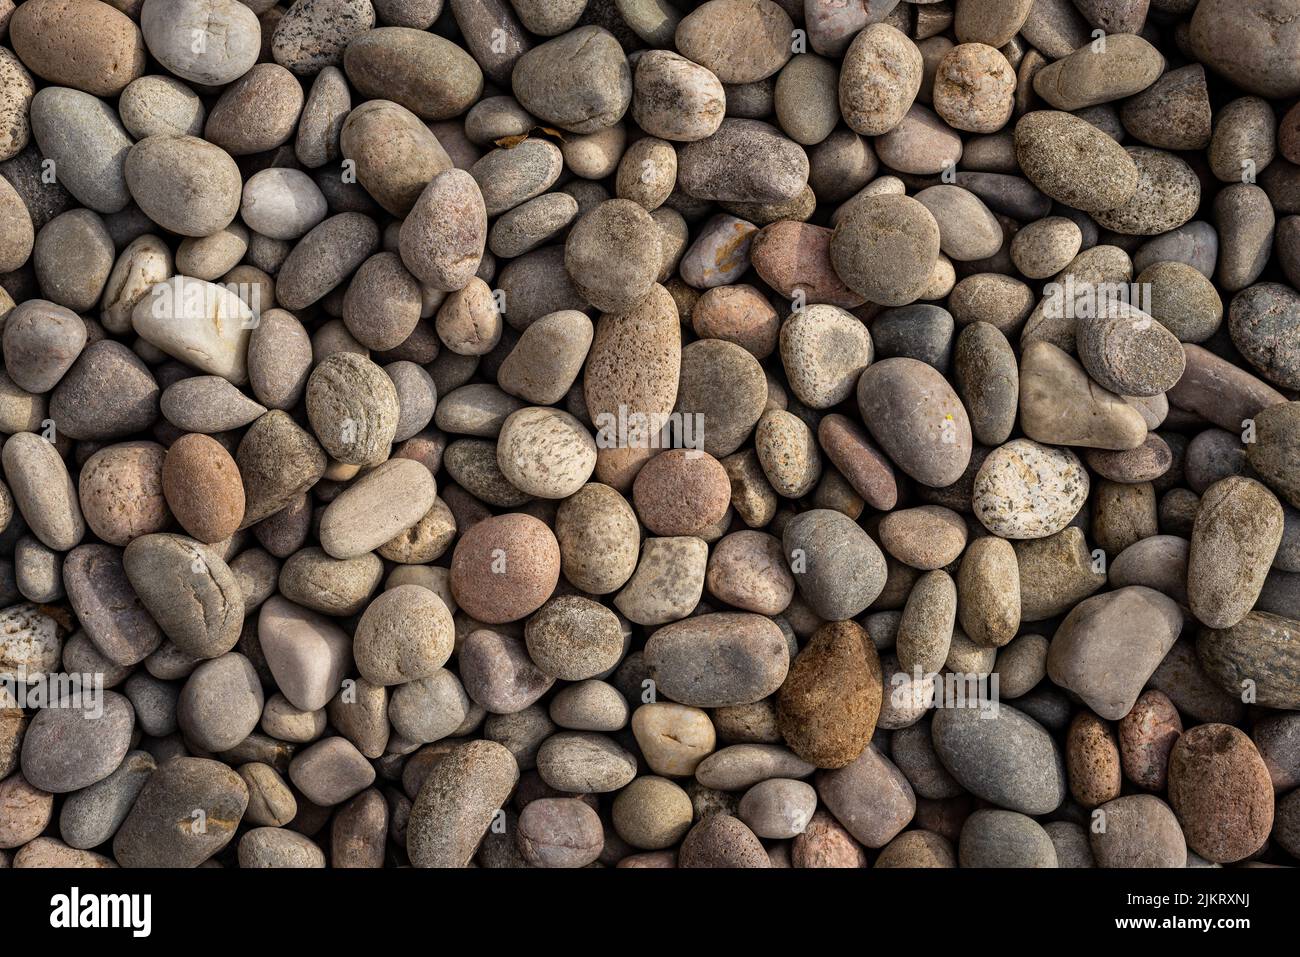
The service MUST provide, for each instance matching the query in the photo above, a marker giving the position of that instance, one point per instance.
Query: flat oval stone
(584, 763)
(1146, 736)
(863, 466)
(879, 79)
(457, 803)
(925, 537)
(885, 248)
(1027, 490)
(43, 490)
(92, 816)
(580, 81)
(208, 404)
(987, 380)
(205, 42)
(380, 505)
(668, 580)
(306, 653)
(745, 161)
(559, 832)
(278, 461)
(726, 658)
(83, 137)
(738, 41)
(428, 74)
(498, 673)
(220, 703)
(1126, 65)
(996, 838)
(1237, 532)
(820, 374)
(1009, 760)
(1141, 831)
(1061, 405)
(720, 840)
(672, 738)
(1220, 30)
(917, 418)
(504, 568)
(71, 746)
(1073, 162)
(313, 35)
(741, 766)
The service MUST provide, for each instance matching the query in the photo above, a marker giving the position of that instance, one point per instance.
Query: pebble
(108, 609)
(202, 487)
(927, 537)
(839, 570)
(999, 838)
(1237, 532)
(870, 797)
(220, 703)
(668, 581)
(528, 556)
(1221, 792)
(1146, 736)
(1027, 490)
(385, 502)
(178, 788)
(720, 840)
(69, 748)
(672, 738)
(1146, 624)
(1073, 162)
(584, 763)
(885, 248)
(1061, 405)
(828, 705)
(1256, 649)
(188, 590)
(1009, 760)
(917, 418)
(726, 658)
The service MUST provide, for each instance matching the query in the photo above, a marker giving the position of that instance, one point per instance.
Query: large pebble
(1009, 759)
(1221, 792)
(1083, 656)
(1027, 490)
(73, 744)
(726, 658)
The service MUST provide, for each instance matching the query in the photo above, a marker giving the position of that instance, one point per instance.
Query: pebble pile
(564, 433)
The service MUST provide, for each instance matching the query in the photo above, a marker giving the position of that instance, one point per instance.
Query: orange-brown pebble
(739, 314)
(828, 706)
(203, 487)
(1092, 760)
